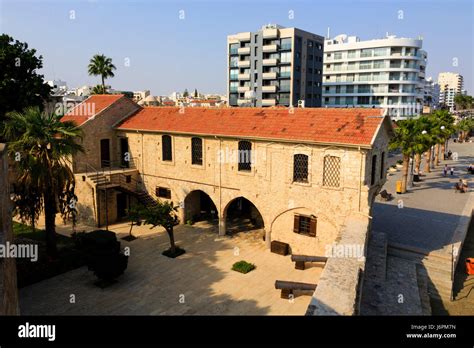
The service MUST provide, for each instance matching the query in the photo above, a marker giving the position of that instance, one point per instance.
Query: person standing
(452, 170)
(445, 170)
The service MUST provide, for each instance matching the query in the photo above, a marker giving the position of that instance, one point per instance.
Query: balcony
(243, 102)
(270, 62)
(270, 48)
(269, 89)
(243, 50)
(268, 102)
(243, 64)
(243, 89)
(270, 33)
(244, 76)
(269, 75)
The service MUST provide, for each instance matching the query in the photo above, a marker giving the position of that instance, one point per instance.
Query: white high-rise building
(387, 73)
(450, 84)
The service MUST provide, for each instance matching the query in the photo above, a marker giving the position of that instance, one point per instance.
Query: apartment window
(350, 100)
(163, 192)
(285, 85)
(331, 171)
(233, 48)
(285, 71)
(378, 64)
(338, 89)
(310, 57)
(300, 168)
(234, 73)
(286, 43)
(382, 160)
(374, 167)
(349, 89)
(337, 55)
(367, 52)
(234, 61)
(196, 151)
(380, 52)
(233, 86)
(297, 55)
(166, 149)
(310, 43)
(285, 57)
(351, 54)
(310, 70)
(365, 65)
(245, 156)
(363, 100)
(305, 225)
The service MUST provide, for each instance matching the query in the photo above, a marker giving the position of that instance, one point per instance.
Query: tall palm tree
(101, 65)
(406, 138)
(443, 127)
(424, 140)
(42, 146)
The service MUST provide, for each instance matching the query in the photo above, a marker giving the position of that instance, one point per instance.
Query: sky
(167, 46)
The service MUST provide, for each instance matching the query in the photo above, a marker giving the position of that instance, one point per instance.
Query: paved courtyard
(431, 210)
(199, 282)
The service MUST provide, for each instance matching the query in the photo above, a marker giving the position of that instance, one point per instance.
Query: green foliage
(243, 267)
(20, 85)
(163, 214)
(41, 146)
(99, 89)
(186, 93)
(102, 66)
(463, 102)
(190, 222)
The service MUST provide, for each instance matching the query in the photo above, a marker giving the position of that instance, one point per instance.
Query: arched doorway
(242, 216)
(198, 206)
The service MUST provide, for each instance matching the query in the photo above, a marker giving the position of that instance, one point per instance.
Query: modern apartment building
(387, 73)
(274, 66)
(450, 84)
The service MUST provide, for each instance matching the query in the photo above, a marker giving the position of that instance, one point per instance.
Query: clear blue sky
(168, 54)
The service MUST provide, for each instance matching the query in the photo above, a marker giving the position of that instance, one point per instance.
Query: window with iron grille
(166, 150)
(305, 225)
(245, 155)
(196, 151)
(332, 171)
(163, 192)
(300, 168)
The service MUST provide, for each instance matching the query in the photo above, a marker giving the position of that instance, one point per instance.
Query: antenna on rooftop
(328, 32)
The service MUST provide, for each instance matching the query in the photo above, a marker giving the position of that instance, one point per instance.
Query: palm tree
(464, 127)
(101, 65)
(443, 127)
(98, 89)
(406, 138)
(424, 140)
(44, 146)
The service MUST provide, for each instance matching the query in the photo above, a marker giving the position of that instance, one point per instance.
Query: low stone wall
(461, 229)
(338, 291)
(8, 285)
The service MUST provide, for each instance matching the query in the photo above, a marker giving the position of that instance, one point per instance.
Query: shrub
(103, 254)
(400, 162)
(243, 267)
(190, 222)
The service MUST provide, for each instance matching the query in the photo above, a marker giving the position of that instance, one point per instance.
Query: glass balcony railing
(285, 74)
(285, 47)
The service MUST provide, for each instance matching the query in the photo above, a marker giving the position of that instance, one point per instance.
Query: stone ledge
(339, 284)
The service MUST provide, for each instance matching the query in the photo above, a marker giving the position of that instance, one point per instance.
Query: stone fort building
(296, 173)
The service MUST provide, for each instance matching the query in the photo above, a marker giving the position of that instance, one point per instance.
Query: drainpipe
(360, 178)
(222, 222)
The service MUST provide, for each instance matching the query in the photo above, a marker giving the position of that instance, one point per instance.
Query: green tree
(99, 89)
(186, 93)
(42, 147)
(196, 94)
(443, 128)
(135, 214)
(101, 65)
(406, 138)
(463, 102)
(464, 127)
(164, 214)
(20, 85)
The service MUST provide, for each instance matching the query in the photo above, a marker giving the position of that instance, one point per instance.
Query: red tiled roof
(90, 107)
(321, 125)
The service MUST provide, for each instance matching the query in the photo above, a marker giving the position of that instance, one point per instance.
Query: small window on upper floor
(300, 168)
(245, 156)
(196, 151)
(166, 148)
(374, 168)
(332, 171)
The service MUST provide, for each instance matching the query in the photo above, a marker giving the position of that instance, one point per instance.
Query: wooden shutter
(312, 227)
(296, 224)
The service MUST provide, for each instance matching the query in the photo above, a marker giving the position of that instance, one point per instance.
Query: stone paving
(199, 282)
(431, 210)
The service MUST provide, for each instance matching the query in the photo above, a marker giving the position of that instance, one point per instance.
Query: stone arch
(241, 214)
(198, 206)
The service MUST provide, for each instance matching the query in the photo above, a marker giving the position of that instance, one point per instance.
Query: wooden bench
(385, 195)
(301, 259)
(287, 287)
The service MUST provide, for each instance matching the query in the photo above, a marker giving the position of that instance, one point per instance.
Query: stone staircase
(392, 285)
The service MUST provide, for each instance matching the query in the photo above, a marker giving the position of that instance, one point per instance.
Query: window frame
(309, 224)
(242, 166)
(196, 161)
(163, 149)
(300, 155)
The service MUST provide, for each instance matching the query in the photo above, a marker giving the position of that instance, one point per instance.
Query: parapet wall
(338, 290)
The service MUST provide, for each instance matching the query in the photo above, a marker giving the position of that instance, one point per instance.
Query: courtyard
(199, 282)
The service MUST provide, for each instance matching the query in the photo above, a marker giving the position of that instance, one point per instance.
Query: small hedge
(243, 267)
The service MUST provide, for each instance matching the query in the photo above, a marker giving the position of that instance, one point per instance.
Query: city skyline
(168, 47)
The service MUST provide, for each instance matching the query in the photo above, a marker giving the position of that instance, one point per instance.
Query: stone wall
(101, 127)
(339, 285)
(8, 283)
(269, 185)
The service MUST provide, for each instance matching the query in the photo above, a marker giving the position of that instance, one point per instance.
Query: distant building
(274, 66)
(431, 94)
(388, 73)
(140, 95)
(450, 84)
(58, 87)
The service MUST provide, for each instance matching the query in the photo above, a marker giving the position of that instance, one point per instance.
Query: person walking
(445, 170)
(452, 170)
